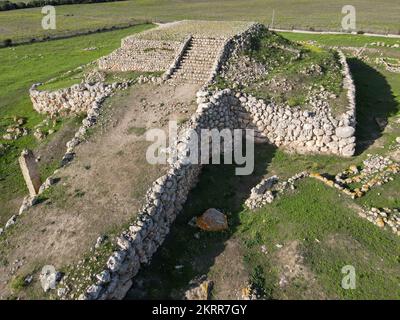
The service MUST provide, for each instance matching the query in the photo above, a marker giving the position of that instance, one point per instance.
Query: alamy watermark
(349, 20)
(349, 280)
(203, 147)
(49, 20)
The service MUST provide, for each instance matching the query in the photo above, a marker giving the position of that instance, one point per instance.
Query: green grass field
(319, 15)
(22, 66)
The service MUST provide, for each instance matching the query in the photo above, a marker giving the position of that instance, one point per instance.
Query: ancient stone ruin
(30, 171)
(195, 59)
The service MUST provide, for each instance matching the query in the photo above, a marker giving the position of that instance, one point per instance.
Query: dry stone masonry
(141, 55)
(315, 131)
(74, 100)
(383, 218)
(376, 171)
(164, 200)
(268, 188)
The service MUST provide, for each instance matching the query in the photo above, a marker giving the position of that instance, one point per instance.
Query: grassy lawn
(307, 14)
(22, 66)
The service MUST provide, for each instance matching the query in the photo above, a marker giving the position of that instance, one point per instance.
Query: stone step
(203, 55)
(192, 70)
(198, 60)
(198, 64)
(192, 74)
(189, 76)
(205, 42)
(205, 48)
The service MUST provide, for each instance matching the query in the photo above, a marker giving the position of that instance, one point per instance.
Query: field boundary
(72, 35)
(354, 33)
(9, 43)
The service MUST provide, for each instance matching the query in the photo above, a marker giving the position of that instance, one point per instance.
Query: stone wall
(73, 100)
(141, 55)
(304, 131)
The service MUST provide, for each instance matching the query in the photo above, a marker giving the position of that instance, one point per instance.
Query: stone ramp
(198, 60)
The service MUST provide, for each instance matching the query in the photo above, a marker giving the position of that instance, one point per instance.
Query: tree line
(8, 5)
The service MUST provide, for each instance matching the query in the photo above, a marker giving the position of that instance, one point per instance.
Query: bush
(20, 5)
(7, 42)
(18, 283)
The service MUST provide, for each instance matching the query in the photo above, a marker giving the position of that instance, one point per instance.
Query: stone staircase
(198, 60)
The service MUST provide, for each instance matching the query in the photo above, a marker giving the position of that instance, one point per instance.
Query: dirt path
(101, 189)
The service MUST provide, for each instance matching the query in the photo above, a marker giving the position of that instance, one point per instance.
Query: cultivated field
(319, 15)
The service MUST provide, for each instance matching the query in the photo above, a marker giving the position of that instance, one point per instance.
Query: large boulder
(200, 289)
(345, 132)
(49, 277)
(212, 220)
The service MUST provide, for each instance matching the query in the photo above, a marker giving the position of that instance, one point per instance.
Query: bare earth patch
(294, 273)
(229, 273)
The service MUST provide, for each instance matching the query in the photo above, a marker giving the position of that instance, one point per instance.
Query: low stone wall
(315, 131)
(74, 100)
(141, 55)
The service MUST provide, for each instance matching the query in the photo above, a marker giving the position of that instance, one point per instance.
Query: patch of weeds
(57, 194)
(181, 121)
(258, 283)
(79, 193)
(18, 283)
(137, 131)
(296, 101)
(82, 274)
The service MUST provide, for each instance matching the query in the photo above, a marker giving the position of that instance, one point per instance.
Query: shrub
(18, 283)
(7, 42)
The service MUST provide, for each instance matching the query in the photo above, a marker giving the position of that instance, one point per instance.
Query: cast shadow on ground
(375, 103)
(218, 187)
